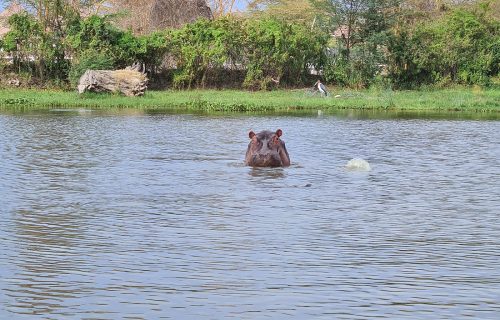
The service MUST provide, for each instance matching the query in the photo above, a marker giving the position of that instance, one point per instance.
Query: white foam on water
(357, 164)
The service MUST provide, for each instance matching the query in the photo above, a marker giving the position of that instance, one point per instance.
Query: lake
(136, 215)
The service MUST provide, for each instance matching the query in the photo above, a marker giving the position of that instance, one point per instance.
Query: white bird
(321, 88)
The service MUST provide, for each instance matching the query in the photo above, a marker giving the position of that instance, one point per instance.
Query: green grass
(456, 99)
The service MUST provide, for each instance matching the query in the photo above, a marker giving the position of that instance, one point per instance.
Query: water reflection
(354, 114)
(45, 261)
(267, 173)
(155, 216)
(45, 169)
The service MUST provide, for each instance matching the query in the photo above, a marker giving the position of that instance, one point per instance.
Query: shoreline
(474, 100)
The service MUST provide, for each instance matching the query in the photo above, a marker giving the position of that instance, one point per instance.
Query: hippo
(267, 150)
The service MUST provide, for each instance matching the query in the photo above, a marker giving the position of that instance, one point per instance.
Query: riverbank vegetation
(397, 44)
(469, 100)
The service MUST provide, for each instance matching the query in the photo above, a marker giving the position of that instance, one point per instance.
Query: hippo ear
(251, 134)
(279, 132)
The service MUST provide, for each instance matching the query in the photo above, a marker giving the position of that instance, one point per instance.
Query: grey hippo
(266, 149)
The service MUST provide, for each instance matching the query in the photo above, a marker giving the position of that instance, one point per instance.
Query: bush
(359, 71)
(278, 51)
(96, 44)
(151, 50)
(203, 49)
(270, 51)
(97, 34)
(25, 42)
(90, 60)
(462, 47)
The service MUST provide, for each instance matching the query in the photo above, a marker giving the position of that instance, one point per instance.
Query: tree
(267, 52)
(358, 20)
(51, 14)
(204, 48)
(221, 7)
(140, 16)
(292, 10)
(145, 16)
(281, 52)
(176, 13)
(359, 29)
(463, 46)
(51, 17)
(25, 41)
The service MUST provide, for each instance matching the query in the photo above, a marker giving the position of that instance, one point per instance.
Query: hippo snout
(266, 160)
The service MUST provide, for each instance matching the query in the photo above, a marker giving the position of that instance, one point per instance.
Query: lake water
(130, 215)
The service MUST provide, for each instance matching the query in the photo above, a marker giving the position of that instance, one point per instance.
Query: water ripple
(145, 217)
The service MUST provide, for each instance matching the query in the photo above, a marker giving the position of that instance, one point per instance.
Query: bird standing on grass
(321, 88)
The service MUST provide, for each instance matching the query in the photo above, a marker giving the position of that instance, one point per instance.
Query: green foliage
(91, 43)
(96, 44)
(280, 51)
(34, 50)
(94, 32)
(360, 70)
(54, 62)
(337, 70)
(204, 47)
(361, 28)
(151, 49)
(461, 47)
(463, 99)
(217, 106)
(97, 34)
(18, 102)
(24, 41)
(269, 50)
(458, 46)
(90, 59)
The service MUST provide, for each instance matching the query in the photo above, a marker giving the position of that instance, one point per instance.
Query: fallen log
(128, 82)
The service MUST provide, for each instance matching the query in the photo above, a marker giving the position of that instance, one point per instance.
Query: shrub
(360, 70)
(461, 47)
(278, 51)
(90, 60)
(202, 48)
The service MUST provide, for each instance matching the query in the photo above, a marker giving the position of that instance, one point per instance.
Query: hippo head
(266, 149)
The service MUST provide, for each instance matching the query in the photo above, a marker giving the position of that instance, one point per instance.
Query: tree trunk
(128, 82)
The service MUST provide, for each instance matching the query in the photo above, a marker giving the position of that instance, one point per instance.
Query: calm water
(137, 216)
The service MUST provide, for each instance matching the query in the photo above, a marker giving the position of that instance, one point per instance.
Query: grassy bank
(461, 99)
